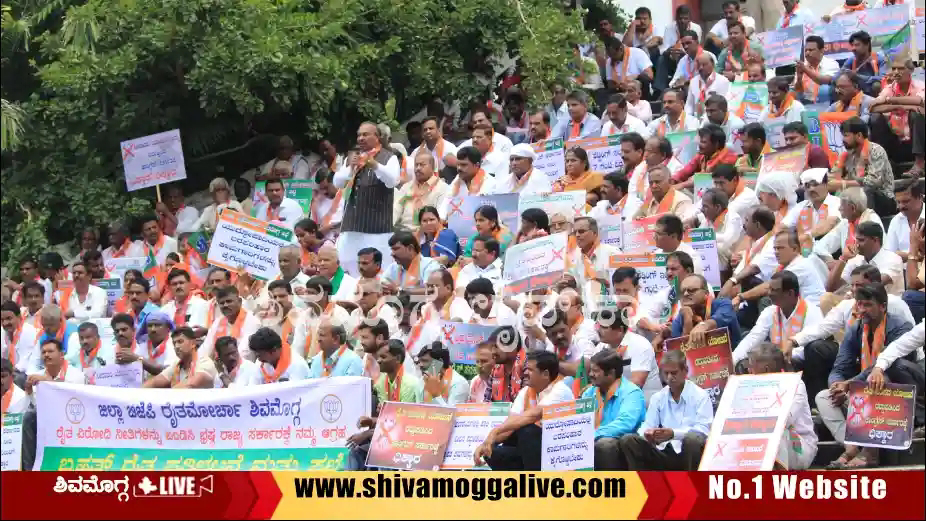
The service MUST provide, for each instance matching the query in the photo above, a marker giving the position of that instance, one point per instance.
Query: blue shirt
(866, 72)
(847, 364)
(693, 412)
(721, 312)
(446, 243)
(622, 413)
(590, 127)
(348, 364)
(70, 328)
(801, 16)
(426, 266)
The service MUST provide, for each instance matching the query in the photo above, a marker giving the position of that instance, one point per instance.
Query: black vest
(369, 207)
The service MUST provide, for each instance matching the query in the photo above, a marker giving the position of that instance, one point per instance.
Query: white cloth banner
(283, 426)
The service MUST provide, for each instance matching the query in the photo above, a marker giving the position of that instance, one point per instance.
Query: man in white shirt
(716, 111)
(619, 120)
(424, 189)
(93, 353)
(556, 110)
(410, 270)
(903, 346)
(235, 322)
(19, 339)
(633, 154)
(807, 269)
(327, 207)
(57, 368)
(319, 304)
(191, 370)
(590, 262)
(867, 249)
(156, 241)
(637, 352)
(18, 401)
(276, 363)
(515, 445)
(717, 37)
(658, 152)
(818, 213)
(673, 118)
(120, 245)
(233, 371)
(727, 225)
(494, 161)
(625, 64)
(677, 423)
(910, 208)
(343, 285)
(668, 235)
(82, 300)
(186, 309)
(782, 105)
(444, 152)
(483, 116)
(369, 180)
(175, 216)
(754, 266)
(853, 208)
(151, 344)
(580, 123)
(703, 84)
(522, 178)
(813, 82)
(617, 199)
(681, 53)
(289, 163)
(278, 209)
(488, 310)
(636, 105)
(486, 264)
(471, 178)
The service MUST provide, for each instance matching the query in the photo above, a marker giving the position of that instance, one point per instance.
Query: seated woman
(534, 223)
(578, 173)
(437, 242)
(488, 225)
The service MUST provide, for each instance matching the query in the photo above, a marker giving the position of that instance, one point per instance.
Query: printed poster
(569, 204)
(785, 160)
(296, 425)
(568, 436)
(650, 268)
(153, 160)
(831, 132)
(880, 23)
(883, 419)
(704, 241)
(471, 425)
(684, 145)
(747, 100)
(463, 339)
(537, 263)
(461, 213)
(410, 436)
(638, 235)
(113, 289)
(240, 240)
(298, 190)
(749, 422)
(604, 153)
(551, 158)
(12, 442)
(774, 133)
(709, 365)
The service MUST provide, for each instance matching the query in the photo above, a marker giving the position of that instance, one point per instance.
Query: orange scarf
(11, 353)
(235, 328)
(865, 155)
(855, 104)
(189, 374)
(417, 195)
(665, 206)
(575, 130)
(718, 221)
(625, 62)
(850, 236)
(64, 299)
(870, 352)
(308, 347)
(785, 105)
(286, 331)
(900, 117)
(210, 316)
(709, 164)
(618, 208)
(702, 91)
(154, 354)
(639, 175)
(122, 249)
(506, 389)
(446, 380)
(756, 248)
(394, 388)
(738, 65)
(325, 220)
(86, 360)
(520, 183)
(410, 276)
(530, 397)
(789, 15)
(157, 245)
(306, 258)
(286, 356)
(601, 401)
(326, 367)
(692, 67)
(805, 220)
(7, 398)
(565, 183)
(807, 83)
(853, 8)
(661, 130)
(475, 185)
(707, 309)
(780, 333)
(61, 372)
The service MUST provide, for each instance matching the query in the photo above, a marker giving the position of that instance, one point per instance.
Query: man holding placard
(675, 426)
(813, 82)
(728, 226)
(516, 444)
(865, 66)
(93, 354)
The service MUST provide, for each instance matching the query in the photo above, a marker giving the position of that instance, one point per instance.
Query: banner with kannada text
(297, 190)
(463, 340)
(153, 160)
(569, 204)
(880, 23)
(286, 426)
(410, 436)
(604, 153)
(568, 436)
(710, 364)
(461, 213)
(551, 158)
(240, 240)
(782, 46)
(471, 424)
(11, 442)
(537, 263)
(882, 419)
(650, 268)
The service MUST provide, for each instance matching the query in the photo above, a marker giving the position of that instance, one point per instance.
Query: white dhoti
(349, 243)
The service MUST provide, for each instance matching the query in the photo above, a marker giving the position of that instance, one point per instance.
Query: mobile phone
(436, 368)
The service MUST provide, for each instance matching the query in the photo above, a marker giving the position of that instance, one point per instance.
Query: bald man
(343, 285)
(368, 179)
(703, 84)
(289, 260)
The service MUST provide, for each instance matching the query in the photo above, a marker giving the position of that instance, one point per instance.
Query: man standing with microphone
(368, 179)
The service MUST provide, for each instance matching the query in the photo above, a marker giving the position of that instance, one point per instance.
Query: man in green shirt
(738, 54)
(394, 384)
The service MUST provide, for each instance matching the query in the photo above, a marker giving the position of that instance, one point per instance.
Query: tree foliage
(230, 74)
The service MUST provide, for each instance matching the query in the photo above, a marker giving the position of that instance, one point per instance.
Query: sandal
(840, 462)
(865, 463)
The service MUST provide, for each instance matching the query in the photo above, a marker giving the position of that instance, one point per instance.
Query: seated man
(817, 214)
(581, 123)
(909, 342)
(56, 367)
(910, 209)
(753, 139)
(676, 425)
(276, 361)
(18, 340)
(797, 135)
(853, 211)
(487, 264)
(716, 39)
(410, 269)
(663, 197)
(867, 66)
(781, 103)
(93, 353)
(191, 371)
(620, 121)
(866, 249)
(488, 310)
(636, 351)
(754, 265)
(627, 64)
(814, 78)
(687, 67)
(727, 226)
(334, 357)
(712, 152)
(864, 164)
(717, 112)
(700, 313)
(442, 384)
(515, 444)
(897, 119)
(590, 262)
(858, 352)
(618, 196)
(850, 98)
(653, 314)
(233, 371)
(739, 52)
(798, 445)
(742, 199)
(668, 236)
(704, 84)
(674, 119)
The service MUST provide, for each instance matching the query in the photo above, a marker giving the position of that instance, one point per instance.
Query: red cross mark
(778, 397)
(720, 447)
(861, 19)
(558, 254)
(128, 152)
(448, 332)
(579, 210)
(455, 208)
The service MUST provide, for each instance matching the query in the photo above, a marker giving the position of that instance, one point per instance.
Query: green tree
(231, 74)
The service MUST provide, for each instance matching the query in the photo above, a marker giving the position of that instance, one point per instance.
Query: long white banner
(286, 426)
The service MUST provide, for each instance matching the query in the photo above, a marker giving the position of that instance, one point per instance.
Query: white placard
(551, 158)
(610, 229)
(570, 204)
(703, 241)
(12, 442)
(471, 424)
(153, 160)
(568, 436)
(128, 376)
(240, 240)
